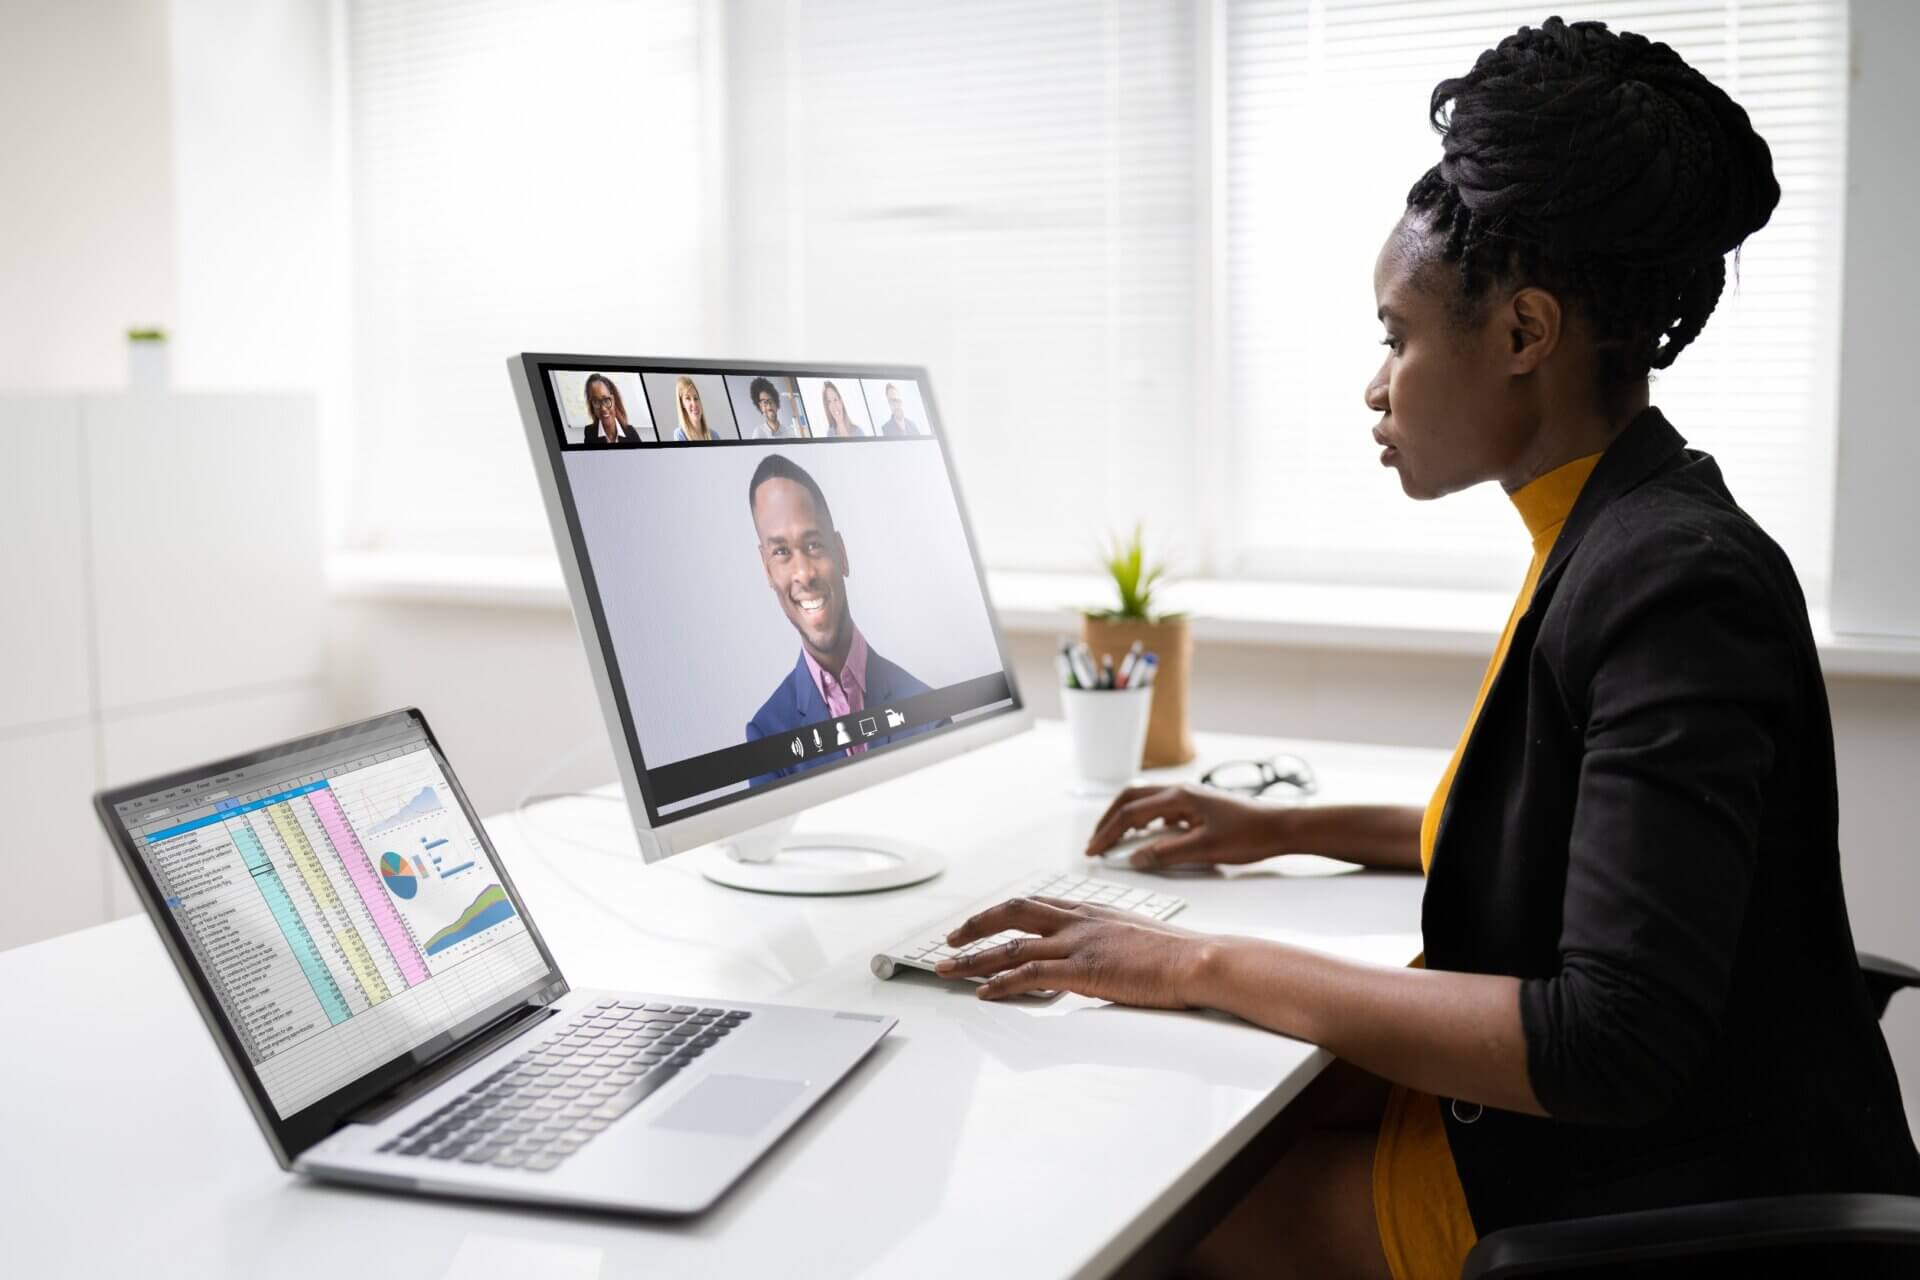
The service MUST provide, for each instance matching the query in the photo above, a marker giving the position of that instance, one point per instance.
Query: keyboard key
(655, 1008)
(625, 1100)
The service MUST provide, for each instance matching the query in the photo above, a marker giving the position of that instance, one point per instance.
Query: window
(1007, 193)
(1326, 109)
(525, 178)
(1132, 240)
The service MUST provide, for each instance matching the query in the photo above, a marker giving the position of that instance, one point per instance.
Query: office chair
(1844, 1234)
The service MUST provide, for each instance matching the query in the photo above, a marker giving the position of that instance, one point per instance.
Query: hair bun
(1606, 145)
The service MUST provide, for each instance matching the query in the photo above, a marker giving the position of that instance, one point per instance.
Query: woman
(693, 414)
(607, 425)
(835, 409)
(1639, 984)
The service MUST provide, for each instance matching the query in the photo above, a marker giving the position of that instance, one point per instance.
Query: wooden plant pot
(1169, 736)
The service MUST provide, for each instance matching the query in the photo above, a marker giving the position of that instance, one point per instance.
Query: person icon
(838, 674)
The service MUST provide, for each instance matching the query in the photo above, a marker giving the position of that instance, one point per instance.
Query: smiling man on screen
(838, 677)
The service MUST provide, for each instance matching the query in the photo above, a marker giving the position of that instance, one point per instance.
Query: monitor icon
(894, 719)
(868, 726)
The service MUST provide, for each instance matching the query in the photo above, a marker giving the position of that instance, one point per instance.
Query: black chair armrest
(1884, 977)
(1649, 1235)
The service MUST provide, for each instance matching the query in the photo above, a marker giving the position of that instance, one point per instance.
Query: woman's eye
(1391, 342)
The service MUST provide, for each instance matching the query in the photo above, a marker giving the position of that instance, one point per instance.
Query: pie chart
(398, 875)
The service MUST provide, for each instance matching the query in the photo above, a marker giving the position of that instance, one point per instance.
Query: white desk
(980, 1139)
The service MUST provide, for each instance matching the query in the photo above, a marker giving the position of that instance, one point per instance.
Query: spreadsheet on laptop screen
(339, 903)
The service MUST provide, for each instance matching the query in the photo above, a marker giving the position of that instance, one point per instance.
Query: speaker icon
(798, 746)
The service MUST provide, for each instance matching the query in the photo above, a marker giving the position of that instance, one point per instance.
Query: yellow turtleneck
(1425, 1228)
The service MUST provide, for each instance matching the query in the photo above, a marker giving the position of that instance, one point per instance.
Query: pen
(1065, 664)
(1106, 671)
(1129, 666)
(1082, 660)
(1149, 667)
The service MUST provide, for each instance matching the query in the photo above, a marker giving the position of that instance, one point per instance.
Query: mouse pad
(737, 1106)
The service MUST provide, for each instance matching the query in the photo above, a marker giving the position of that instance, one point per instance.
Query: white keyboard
(928, 946)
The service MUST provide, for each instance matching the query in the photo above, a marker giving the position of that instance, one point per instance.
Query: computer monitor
(780, 596)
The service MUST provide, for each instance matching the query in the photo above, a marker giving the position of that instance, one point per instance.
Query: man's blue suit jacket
(798, 702)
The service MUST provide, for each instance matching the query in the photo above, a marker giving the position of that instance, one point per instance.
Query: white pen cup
(1109, 732)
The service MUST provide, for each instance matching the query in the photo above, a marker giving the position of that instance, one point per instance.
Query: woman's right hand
(1204, 826)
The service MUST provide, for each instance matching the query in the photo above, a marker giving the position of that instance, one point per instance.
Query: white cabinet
(160, 559)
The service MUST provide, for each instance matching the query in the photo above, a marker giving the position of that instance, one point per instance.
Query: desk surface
(1062, 1134)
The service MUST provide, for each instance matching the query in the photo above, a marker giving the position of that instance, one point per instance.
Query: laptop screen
(338, 901)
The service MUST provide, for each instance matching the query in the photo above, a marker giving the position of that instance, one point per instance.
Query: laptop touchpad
(737, 1106)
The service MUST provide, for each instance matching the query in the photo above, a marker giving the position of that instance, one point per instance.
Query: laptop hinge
(508, 1025)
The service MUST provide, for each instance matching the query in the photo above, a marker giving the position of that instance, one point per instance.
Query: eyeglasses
(1254, 777)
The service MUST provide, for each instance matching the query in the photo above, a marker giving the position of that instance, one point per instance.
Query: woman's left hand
(1096, 951)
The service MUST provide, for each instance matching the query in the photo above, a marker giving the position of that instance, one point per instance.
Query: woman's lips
(1388, 451)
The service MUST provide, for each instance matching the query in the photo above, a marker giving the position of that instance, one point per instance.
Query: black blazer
(629, 436)
(1643, 829)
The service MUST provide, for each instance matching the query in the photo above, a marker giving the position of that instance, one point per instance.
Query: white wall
(87, 218)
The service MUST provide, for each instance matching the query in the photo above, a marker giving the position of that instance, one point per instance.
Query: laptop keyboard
(550, 1101)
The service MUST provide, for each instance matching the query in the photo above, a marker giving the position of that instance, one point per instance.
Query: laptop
(394, 1019)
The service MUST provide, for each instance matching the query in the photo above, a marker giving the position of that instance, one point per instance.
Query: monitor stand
(771, 859)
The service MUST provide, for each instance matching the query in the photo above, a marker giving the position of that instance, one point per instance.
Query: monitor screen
(782, 573)
(338, 902)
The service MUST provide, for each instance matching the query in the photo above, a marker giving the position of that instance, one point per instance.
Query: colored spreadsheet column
(294, 929)
(352, 945)
(360, 870)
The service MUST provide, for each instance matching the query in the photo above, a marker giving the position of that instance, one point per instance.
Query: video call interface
(784, 578)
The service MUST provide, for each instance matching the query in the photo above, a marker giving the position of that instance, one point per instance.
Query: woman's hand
(1110, 955)
(1205, 826)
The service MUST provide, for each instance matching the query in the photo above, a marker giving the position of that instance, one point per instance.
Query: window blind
(1326, 130)
(1007, 193)
(524, 178)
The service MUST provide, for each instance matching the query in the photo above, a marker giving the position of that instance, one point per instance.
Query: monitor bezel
(662, 835)
(312, 1124)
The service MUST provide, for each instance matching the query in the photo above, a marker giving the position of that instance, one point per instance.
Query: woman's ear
(1534, 321)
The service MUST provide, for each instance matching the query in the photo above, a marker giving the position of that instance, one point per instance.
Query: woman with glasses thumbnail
(1636, 939)
(607, 424)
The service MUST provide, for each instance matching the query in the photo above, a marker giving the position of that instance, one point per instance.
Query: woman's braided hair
(1601, 166)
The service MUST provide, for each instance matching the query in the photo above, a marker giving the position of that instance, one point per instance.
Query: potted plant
(1163, 634)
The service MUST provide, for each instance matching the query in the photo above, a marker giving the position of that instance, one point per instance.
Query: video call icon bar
(865, 727)
(881, 725)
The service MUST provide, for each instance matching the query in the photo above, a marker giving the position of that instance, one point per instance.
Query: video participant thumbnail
(768, 406)
(593, 409)
(836, 406)
(691, 407)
